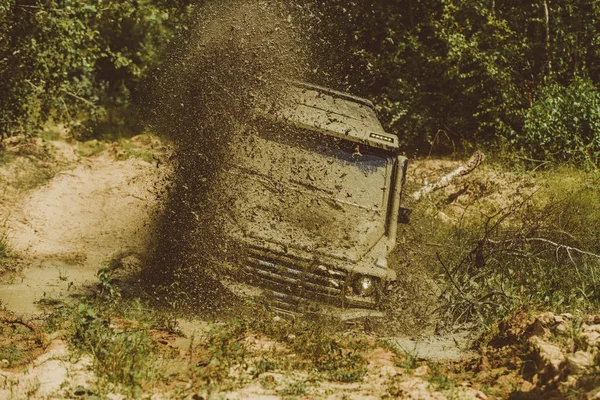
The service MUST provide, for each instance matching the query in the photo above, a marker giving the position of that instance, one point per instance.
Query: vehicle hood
(316, 198)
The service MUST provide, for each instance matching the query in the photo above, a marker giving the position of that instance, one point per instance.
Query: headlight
(365, 286)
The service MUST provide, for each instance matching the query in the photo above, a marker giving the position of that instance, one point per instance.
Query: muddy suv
(316, 185)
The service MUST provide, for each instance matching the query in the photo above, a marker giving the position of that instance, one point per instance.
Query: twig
(448, 273)
(17, 321)
(78, 97)
(558, 246)
(547, 20)
(528, 159)
(66, 108)
(39, 89)
(562, 246)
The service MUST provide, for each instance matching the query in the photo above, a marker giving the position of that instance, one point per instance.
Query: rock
(483, 364)
(539, 328)
(547, 318)
(593, 394)
(591, 328)
(388, 370)
(423, 370)
(591, 338)
(580, 361)
(4, 363)
(470, 393)
(593, 319)
(567, 316)
(527, 386)
(49, 377)
(550, 358)
(561, 329)
(56, 350)
(568, 385)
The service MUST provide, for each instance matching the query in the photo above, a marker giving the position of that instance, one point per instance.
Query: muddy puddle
(49, 283)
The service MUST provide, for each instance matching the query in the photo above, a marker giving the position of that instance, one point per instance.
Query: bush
(563, 124)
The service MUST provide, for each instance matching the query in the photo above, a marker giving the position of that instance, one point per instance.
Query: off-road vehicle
(316, 185)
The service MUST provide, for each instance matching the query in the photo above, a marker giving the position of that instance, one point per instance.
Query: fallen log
(462, 170)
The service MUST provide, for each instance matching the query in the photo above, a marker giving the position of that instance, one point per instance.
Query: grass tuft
(123, 354)
(90, 148)
(5, 247)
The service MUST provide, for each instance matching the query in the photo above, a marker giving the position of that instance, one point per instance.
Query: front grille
(295, 284)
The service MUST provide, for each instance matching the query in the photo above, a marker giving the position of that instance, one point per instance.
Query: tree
(73, 60)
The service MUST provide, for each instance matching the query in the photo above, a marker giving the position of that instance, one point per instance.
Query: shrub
(563, 123)
(74, 60)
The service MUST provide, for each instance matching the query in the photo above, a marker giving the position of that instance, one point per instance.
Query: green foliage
(90, 148)
(107, 290)
(343, 366)
(76, 60)
(122, 354)
(115, 332)
(440, 379)
(563, 123)
(129, 150)
(11, 353)
(294, 389)
(408, 358)
(331, 353)
(448, 75)
(4, 246)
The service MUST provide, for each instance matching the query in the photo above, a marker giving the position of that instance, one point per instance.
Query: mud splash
(240, 53)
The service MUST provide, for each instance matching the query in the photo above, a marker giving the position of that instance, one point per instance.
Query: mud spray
(238, 53)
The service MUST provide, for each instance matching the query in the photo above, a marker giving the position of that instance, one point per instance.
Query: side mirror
(404, 215)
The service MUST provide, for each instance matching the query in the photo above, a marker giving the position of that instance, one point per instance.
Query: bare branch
(448, 273)
(557, 246)
(563, 246)
(17, 321)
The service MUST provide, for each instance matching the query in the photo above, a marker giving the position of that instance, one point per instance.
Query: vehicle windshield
(310, 190)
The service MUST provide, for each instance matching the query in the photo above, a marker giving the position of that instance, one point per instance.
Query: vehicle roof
(334, 113)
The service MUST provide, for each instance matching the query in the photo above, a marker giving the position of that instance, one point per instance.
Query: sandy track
(66, 229)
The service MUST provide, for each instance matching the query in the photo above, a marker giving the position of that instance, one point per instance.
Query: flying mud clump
(239, 54)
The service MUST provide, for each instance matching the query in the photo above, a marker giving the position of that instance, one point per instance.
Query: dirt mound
(486, 190)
